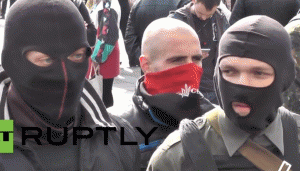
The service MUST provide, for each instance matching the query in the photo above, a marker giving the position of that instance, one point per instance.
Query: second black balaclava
(55, 28)
(263, 39)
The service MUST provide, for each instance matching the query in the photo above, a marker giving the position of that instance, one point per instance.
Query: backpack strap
(194, 146)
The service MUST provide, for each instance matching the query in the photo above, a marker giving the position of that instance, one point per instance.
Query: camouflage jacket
(291, 97)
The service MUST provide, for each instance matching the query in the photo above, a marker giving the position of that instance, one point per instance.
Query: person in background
(43, 86)
(92, 4)
(125, 11)
(210, 22)
(227, 3)
(250, 130)
(91, 30)
(109, 47)
(291, 97)
(142, 13)
(171, 59)
(4, 7)
(225, 10)
(281, 10)
(89, 4)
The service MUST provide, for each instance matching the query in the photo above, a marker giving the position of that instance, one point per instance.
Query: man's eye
(78, 58)
(178, 60)
(48, 60)
(227, 71)
(39, 59)
(44, 62)
(197, 58)
(259, 73)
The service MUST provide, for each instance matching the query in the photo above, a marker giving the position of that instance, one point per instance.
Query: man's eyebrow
(226, 66)
(176, 57)
(262, 68)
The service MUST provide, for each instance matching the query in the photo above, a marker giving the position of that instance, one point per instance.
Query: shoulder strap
(213, 117)
(258, 155)
(290, 139)
(195, 147)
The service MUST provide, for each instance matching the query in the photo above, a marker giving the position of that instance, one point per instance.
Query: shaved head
(164, 32)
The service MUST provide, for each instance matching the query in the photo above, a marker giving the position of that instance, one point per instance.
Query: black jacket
(280, 10)
(219, 26)
(93, 154)
(141, 15)
(138, 115)
(125, 10)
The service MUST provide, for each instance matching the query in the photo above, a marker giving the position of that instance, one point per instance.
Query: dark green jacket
(171, 155)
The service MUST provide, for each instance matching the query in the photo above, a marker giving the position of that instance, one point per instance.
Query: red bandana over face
(174, 79)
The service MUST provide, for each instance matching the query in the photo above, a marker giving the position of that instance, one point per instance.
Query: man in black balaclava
(254, 67)
(45, 60)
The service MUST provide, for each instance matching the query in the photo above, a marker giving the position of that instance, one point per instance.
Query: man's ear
(144, 63)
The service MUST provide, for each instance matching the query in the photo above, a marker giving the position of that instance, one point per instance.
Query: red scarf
(174, 79)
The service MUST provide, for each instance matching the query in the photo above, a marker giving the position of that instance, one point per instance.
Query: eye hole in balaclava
(247, 71)
(43, 60)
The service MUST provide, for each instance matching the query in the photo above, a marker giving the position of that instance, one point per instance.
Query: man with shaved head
(168, 92)
(137, 23)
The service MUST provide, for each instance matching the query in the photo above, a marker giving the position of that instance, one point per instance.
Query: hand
(86, 25)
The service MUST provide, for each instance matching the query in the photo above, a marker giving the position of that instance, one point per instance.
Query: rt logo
(6, 136)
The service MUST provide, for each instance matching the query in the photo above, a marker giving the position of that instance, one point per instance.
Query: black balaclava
(263, 39)
(55, 28)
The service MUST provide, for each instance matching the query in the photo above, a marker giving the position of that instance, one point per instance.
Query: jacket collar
(162, 106)
(234, 137)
